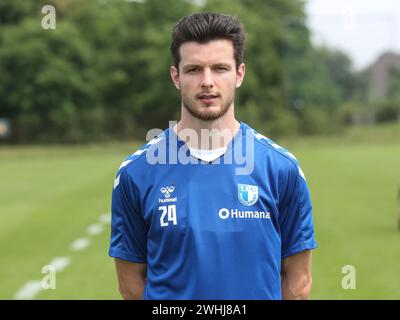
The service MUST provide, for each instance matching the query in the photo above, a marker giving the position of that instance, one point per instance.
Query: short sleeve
(296, 215)
(128, 229)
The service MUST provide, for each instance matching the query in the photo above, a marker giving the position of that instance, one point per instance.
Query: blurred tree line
(103, 73)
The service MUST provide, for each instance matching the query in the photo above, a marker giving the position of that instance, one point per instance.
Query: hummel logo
(167, 191)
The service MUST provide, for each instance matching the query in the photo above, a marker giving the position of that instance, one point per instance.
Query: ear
(240, 75)
(175, 77)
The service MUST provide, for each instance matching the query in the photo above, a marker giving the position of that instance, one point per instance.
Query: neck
(207, 135)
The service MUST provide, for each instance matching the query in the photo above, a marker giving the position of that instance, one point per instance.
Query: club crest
(247, 194)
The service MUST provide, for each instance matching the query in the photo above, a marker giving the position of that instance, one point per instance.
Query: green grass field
(50, 195)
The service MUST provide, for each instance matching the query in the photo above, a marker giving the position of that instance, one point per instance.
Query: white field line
(31, 288)
(60, 263)
(95, 229)
(105, 218)
(80, 244)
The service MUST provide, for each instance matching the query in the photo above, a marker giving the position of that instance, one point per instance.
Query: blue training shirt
(209, 230)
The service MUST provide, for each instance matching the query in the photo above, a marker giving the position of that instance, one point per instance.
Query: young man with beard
(202, 229)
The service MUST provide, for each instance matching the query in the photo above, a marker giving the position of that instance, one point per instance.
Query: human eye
(221, 68)
(193, 70)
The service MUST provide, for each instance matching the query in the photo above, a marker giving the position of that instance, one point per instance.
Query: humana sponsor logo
(225, 213)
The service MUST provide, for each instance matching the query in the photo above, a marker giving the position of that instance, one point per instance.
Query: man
(202, 229)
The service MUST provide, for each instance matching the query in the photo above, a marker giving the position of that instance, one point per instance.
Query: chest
(207, 198)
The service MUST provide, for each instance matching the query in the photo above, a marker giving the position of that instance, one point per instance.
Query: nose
(207, 80)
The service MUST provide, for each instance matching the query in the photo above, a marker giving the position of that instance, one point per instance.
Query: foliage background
(103, 73)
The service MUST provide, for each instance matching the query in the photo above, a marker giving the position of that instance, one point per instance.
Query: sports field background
(50, 195)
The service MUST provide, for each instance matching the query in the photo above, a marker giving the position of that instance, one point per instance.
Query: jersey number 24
(168, 212)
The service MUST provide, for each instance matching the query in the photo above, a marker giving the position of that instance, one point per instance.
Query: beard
(202, 113)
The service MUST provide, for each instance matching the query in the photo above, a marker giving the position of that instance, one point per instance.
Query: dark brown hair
(204, 27)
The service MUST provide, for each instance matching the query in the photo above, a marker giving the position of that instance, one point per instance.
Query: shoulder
(136, 163)
(281, 161)
(268, 147)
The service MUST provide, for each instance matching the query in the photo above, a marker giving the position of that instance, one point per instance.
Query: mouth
(207, 98)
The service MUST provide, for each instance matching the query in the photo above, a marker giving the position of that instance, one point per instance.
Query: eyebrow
(189, 66)
(220, 64)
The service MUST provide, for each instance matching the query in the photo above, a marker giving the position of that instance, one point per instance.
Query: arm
(296, 276)
(131, 279)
